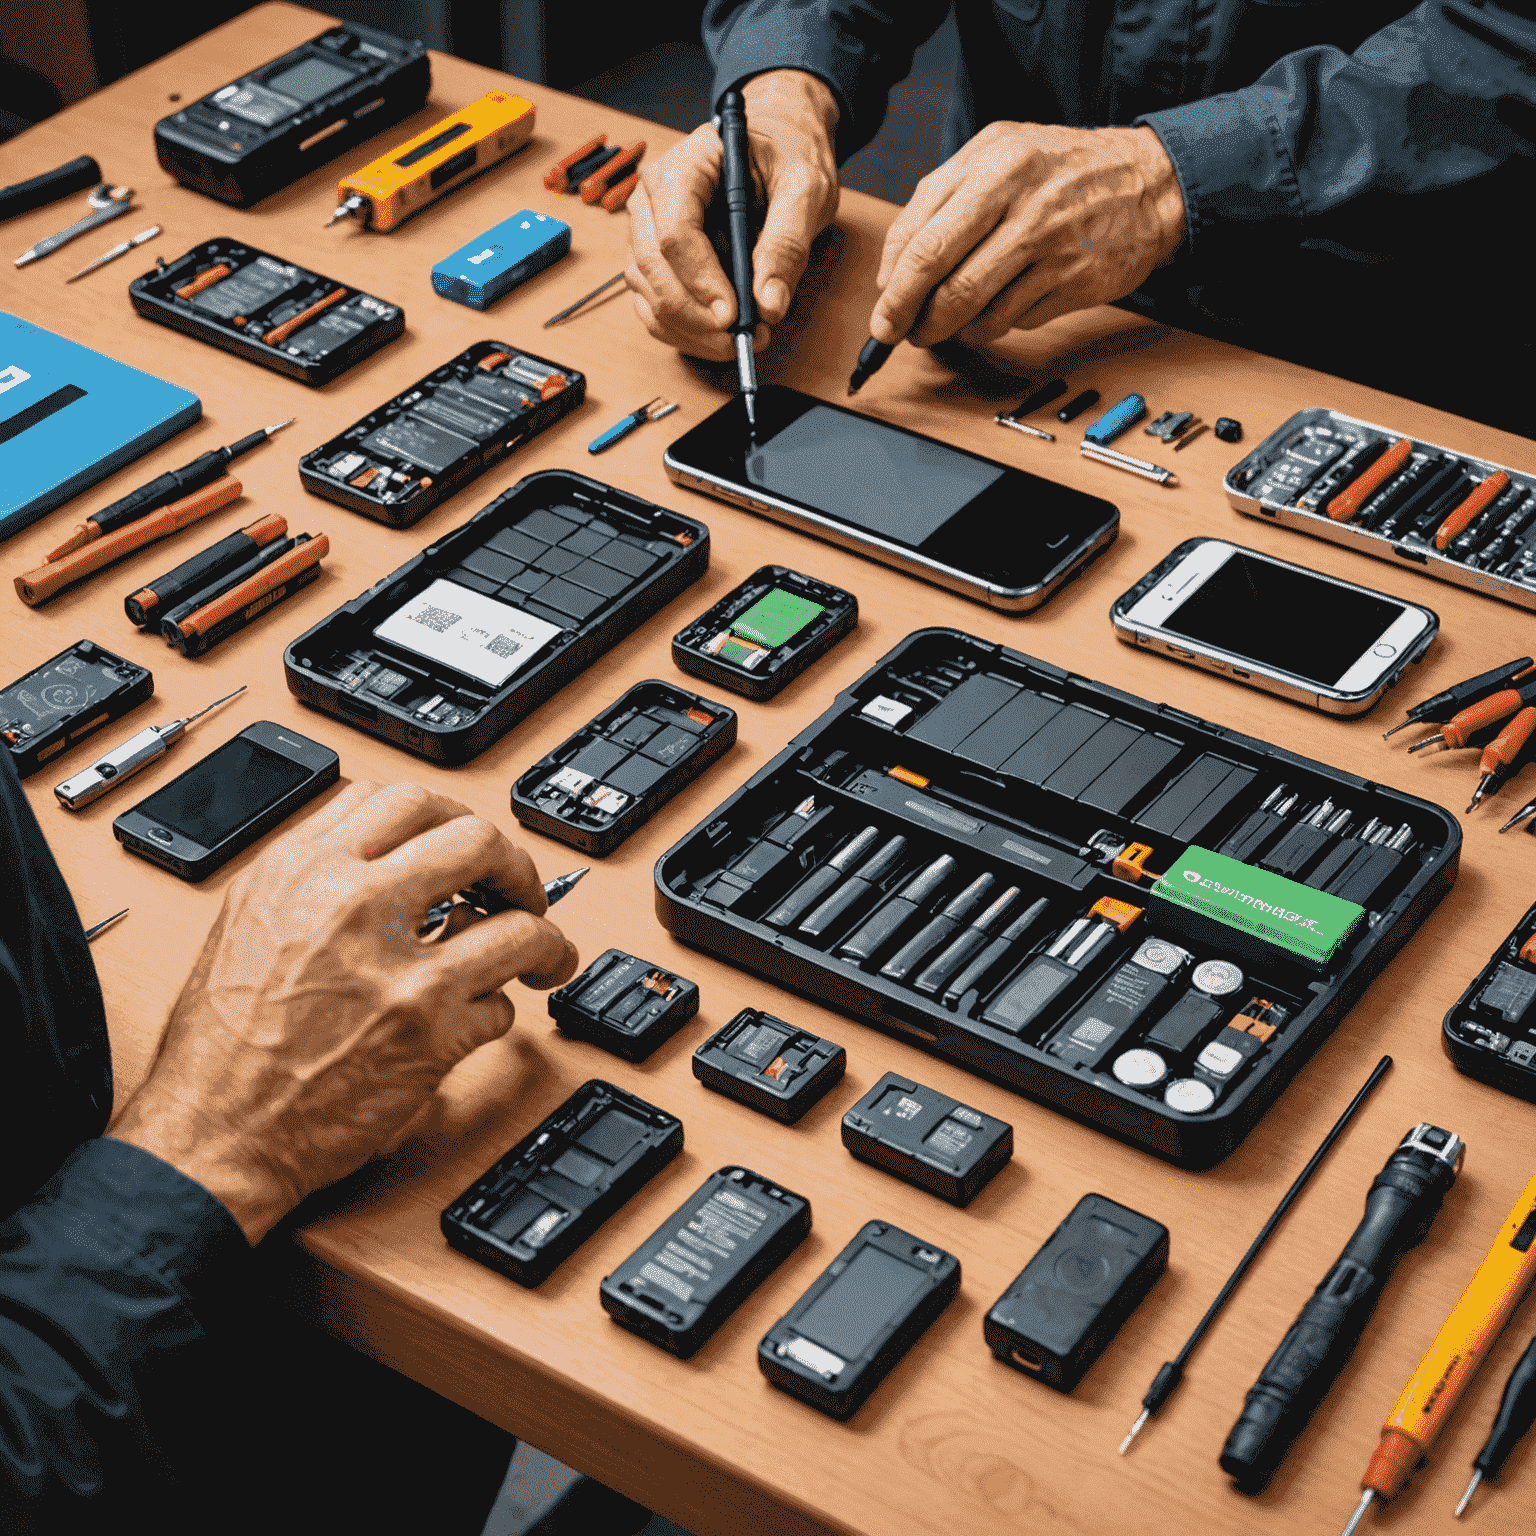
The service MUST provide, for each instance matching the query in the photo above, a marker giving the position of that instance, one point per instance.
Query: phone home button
(160, 835)
(1386, 652)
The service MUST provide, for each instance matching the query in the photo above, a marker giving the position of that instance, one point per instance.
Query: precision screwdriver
(1502, 755)
(162, 490)
(1443, 707)
(1517, 1412)
(1404, 1199)
(1452, 1359)
(1459, 730)
(737, 181)
(126, 760)
(484, 901)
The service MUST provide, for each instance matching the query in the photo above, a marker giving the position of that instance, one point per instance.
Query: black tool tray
(1496, 554)
(647, 555)
(1490, 1030)
(1045, 778)
(401, 460)
(263, 296)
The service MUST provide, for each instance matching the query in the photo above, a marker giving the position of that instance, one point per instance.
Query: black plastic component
(732, 647)
(1229, 429)
(1489, 1032)
(927, 1138)
(985, 802)
(622, 766)
(642, 554)
(432, 439)
(703, 1261)
(562, 1181)
(71, 696)
(261, 296)
(1058, 1317)
(278, 122)
(624, 1004)
(769, 1065)
(859, 1317)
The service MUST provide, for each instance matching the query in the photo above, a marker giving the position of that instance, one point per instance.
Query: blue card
(70, 417)
(494, 263)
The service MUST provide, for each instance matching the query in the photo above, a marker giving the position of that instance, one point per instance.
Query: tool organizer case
(646, 556)
(1489, 1032)
(1025, 762)
(1466, 561)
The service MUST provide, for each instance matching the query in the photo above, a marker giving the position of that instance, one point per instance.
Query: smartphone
(224, 803)
(987, 531)
(1276, 626)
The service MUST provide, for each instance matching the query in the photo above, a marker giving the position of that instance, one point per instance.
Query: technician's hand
(682, 293)
(1023, 224)
(316, 1024)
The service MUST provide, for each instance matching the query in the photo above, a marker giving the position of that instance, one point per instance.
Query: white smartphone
(1274, 625)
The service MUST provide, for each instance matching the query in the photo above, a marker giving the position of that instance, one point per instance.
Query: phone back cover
(70, 417)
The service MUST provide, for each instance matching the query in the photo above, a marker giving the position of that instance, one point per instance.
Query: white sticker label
(475, 635)
(887, 711)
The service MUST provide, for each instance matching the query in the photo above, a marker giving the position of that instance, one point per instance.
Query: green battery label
(1205, 893)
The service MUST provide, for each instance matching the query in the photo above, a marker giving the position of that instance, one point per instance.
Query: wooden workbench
(953, 1441)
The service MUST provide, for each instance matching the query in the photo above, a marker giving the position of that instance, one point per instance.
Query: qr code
(438, 619)
(504, 646)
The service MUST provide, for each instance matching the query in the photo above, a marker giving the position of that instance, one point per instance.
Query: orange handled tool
(49, 580)
(1466, 723)
(1452, 1360)
(617, 195)
(614, 171)
(1354, 496)
(280, 333)
(1483, 495)
(1504, 752)
(557, 177)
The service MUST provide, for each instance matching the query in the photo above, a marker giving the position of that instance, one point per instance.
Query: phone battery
(859, 1317)
(562, 1181)
(769, 1065)
(272, 312)
(624, 1004)
(927, 1138)
(71, 696)
(622, 766)
(700, 1264)
(1055, 1320)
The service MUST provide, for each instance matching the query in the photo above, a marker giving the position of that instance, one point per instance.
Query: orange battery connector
(1355, 495)
(1131, 862)
(1121, 913)
(906, 775)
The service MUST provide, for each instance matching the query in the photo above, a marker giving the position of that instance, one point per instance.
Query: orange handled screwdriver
(1349, 501)
(1459, 730)
(1483, 495)
(1452, 1360)
(1502, 753)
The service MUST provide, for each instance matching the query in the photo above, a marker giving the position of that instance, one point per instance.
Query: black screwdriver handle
(74, 176)
(1517, 1412)
(1402, 1203)
(738, 203)
(161, 491)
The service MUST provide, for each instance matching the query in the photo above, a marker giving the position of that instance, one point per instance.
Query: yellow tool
(1452, 1360)
(396, 185)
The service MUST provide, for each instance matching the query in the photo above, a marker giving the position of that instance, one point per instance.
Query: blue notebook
(70, 417)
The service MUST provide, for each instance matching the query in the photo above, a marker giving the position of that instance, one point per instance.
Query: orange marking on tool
(1461, 515)
(1349, 501)
(288, 327)
(300, 558)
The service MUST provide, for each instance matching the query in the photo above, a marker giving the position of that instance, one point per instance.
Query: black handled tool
(1517, 1412)
(738, 207)
(78, 175)
(1402, 1204)
(1441, 709)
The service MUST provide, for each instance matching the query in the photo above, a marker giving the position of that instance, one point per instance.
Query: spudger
(1172, 1373)
(738, 206)
(162, 490)
(586, 298)
(1443, 706)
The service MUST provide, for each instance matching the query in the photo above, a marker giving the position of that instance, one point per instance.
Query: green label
(1207, 884)
(776, 618)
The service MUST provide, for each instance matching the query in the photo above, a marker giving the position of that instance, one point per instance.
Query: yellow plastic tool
(389, 190)
(1451, 1362)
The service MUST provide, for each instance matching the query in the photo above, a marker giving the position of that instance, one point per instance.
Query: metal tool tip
(1366, 1499)
(1403, 726)
(106, 922)
(1125, 1445)
(1466, 1498)
(1428, 741)
(277, 426)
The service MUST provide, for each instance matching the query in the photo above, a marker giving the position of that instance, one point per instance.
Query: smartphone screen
(976, 516)
(230, 787)
(1283, 618)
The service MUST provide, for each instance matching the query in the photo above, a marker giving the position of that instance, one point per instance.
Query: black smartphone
(985, 530)
(224, 803)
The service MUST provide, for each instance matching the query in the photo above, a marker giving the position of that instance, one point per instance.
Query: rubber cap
(1229, 429)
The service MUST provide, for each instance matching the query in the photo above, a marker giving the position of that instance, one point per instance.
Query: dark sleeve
(861, 50)
(104, 1280)
(1432, 119)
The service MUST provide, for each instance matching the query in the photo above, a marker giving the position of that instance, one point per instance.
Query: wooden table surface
(953, 1440)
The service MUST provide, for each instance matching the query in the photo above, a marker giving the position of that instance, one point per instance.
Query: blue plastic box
(494, 263)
